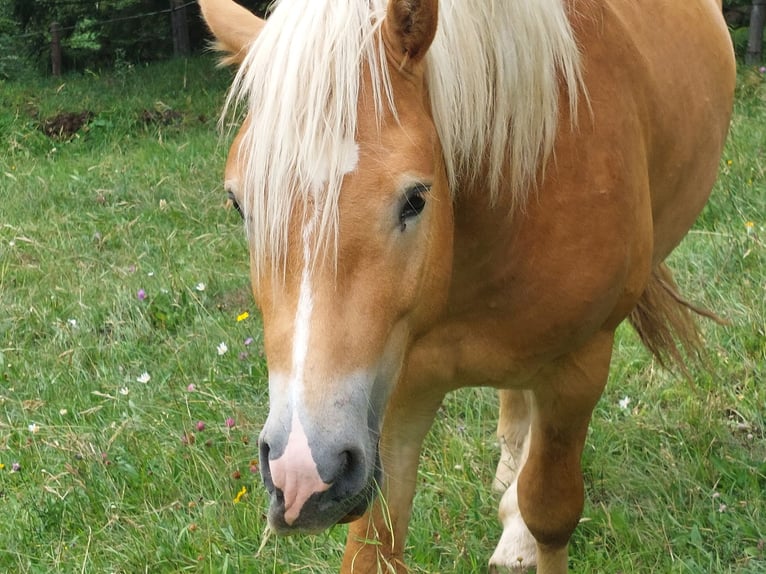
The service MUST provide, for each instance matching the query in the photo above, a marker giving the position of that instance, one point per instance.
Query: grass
(118, 475)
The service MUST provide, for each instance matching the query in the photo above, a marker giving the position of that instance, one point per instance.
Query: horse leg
(512, 432)
(548, 493)
(375, 542)
(517, 547)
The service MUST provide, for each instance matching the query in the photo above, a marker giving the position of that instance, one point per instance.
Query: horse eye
(235, 203)
(414, 203)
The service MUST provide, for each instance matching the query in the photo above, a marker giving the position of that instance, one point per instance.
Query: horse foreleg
(375, 542)
(517, 547)
(542, 506)
(512, 432)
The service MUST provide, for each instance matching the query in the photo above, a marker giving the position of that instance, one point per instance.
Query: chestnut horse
(443, 194)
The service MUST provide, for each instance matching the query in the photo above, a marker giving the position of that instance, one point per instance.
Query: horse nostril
(264, 449)
(351, 472)
(346, 458)
(264, 465)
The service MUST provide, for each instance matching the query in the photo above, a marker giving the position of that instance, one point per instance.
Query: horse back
(669, 66)
(626, 181)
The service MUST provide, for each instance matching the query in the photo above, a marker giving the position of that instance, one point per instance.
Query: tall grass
(127, 435)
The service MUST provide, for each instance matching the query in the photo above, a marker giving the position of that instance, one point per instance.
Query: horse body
(620, 193)
(429, 282)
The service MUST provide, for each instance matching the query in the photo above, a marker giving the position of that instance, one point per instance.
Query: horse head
(339, 172)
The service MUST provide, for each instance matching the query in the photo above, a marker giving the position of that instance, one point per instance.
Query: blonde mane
(493, 75)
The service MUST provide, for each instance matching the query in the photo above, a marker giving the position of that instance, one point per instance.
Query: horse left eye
(414, 203)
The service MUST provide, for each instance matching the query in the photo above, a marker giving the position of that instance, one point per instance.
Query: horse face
(339, 316)
(336, 335)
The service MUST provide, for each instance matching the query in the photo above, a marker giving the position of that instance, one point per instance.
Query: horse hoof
(505, 562)
(518, 568)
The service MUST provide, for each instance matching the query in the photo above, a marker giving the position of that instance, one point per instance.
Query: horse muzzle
(317, 483)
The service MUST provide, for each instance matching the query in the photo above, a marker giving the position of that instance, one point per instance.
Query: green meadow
(133, 383)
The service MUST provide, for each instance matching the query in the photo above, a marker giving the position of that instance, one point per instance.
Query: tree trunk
(56, 49)
(755, 36)
(180, 25)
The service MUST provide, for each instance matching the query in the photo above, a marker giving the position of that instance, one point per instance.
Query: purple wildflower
(141, 294)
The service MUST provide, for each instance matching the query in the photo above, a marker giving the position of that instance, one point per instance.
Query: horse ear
(233, 26)
(410, 27)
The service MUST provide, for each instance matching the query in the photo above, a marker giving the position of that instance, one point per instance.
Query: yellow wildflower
(242, 316)
(242, 492)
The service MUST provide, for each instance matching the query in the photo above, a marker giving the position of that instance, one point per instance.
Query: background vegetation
(132, 384)
(101, 34)
(737, 13)
(96, 34)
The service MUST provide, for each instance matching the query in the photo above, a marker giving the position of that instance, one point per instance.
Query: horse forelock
(299, 84)
(493, 76)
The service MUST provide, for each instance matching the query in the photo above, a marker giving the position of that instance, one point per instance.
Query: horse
(439, 194)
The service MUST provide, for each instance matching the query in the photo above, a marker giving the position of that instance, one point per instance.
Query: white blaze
(295, 472)
(348, 154)
(349, 159)
(302, 325)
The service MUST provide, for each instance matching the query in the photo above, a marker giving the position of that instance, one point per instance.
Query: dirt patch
(65, 125)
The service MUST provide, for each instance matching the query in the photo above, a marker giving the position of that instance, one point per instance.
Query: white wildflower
(222, 348)
(624, 402)
(144, 377)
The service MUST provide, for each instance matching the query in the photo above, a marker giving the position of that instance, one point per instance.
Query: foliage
(95, 34)
(737, 13)
(12, 63)
(101, 34)
(92, 31)
(103, 387)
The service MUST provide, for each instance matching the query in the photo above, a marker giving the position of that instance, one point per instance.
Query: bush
(95, 35)
(13, 64)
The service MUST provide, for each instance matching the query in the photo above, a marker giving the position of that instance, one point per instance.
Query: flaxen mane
(493, 74)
